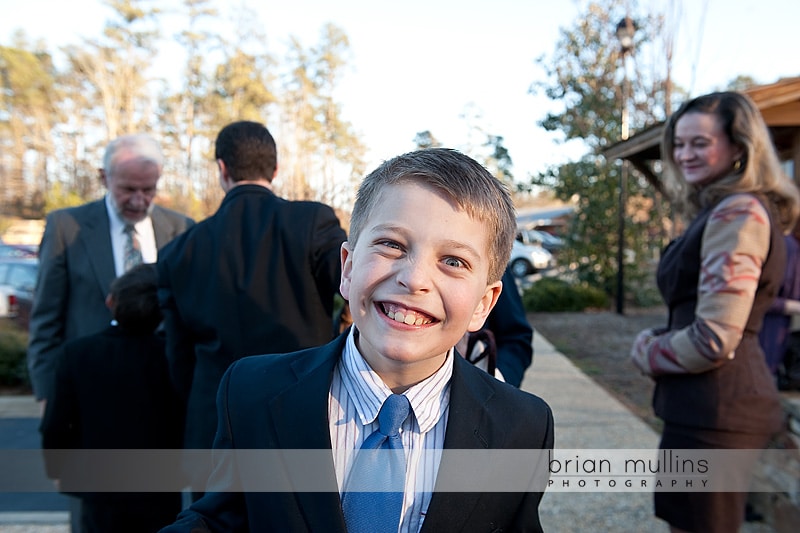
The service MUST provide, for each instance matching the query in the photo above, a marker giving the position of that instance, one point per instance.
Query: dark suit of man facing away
(259, 276)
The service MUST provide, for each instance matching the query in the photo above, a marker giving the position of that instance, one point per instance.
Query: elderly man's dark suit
(281, 402)
(257, 277)
(76, 267)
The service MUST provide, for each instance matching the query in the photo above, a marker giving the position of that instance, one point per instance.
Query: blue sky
(418, 64)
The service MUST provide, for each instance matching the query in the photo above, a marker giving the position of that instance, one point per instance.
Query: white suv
(528, 259)
(17, 281)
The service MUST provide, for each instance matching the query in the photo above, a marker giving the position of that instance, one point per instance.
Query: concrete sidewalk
(586, 417)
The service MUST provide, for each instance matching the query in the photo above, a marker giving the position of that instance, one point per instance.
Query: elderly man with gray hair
(84, 248)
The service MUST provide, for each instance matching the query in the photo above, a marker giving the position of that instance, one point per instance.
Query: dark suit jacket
(281, 402)
(76, 267)
(112, 392)
(512, 332)
(257, 277)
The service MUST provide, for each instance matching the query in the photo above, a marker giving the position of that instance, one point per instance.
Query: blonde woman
(713, 388)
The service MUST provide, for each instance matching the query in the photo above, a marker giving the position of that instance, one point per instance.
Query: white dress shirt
(355, 398)
(144, 232)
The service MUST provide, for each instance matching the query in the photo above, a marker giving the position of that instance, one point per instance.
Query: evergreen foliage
(585, 75)
(57, 115)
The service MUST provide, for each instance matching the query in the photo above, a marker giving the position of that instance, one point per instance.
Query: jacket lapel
(307, 400)
(96, 236)
(467, 429)
(300, 414)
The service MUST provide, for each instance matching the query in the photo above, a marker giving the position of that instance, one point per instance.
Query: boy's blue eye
(454, 262)
(390, 244)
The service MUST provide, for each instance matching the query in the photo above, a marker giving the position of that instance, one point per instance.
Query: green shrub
(13, 364)
(551, 294)
(647, 297)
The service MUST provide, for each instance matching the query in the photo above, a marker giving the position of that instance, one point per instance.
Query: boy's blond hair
(456, 176)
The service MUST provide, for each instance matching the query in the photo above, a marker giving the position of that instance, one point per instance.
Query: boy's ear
(485, 305)
(347, 270)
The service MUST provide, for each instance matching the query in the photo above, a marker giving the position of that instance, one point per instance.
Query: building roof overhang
(778, 102)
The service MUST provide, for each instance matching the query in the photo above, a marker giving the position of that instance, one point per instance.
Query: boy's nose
(414, 276)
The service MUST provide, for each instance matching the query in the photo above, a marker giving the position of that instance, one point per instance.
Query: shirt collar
(428, 398)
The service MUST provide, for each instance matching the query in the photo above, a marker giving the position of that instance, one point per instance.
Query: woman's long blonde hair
(758, 171)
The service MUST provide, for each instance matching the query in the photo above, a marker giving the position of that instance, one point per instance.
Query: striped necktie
(133, 250)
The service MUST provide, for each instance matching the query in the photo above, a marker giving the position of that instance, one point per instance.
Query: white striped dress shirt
(355, 398)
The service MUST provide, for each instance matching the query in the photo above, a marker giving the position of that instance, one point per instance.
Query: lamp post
(624, 32)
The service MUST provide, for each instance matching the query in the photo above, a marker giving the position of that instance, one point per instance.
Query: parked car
(548, 241)
(17, 282)
(528, 259)
(11, 251)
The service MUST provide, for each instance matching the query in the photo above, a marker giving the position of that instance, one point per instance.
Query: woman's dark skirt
(706, 512)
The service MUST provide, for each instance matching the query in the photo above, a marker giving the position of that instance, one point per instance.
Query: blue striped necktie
(373, 495)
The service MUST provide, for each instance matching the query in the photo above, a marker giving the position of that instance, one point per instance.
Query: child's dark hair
(248, 150)
(135, 300)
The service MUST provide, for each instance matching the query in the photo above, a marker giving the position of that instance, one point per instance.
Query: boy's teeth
(408, 319)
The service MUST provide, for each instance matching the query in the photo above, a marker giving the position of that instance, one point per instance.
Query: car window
(22, 276)
(19, 276)
(10, 251)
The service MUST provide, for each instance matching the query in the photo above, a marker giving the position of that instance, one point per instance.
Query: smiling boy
(430, 236)
(416, 272)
